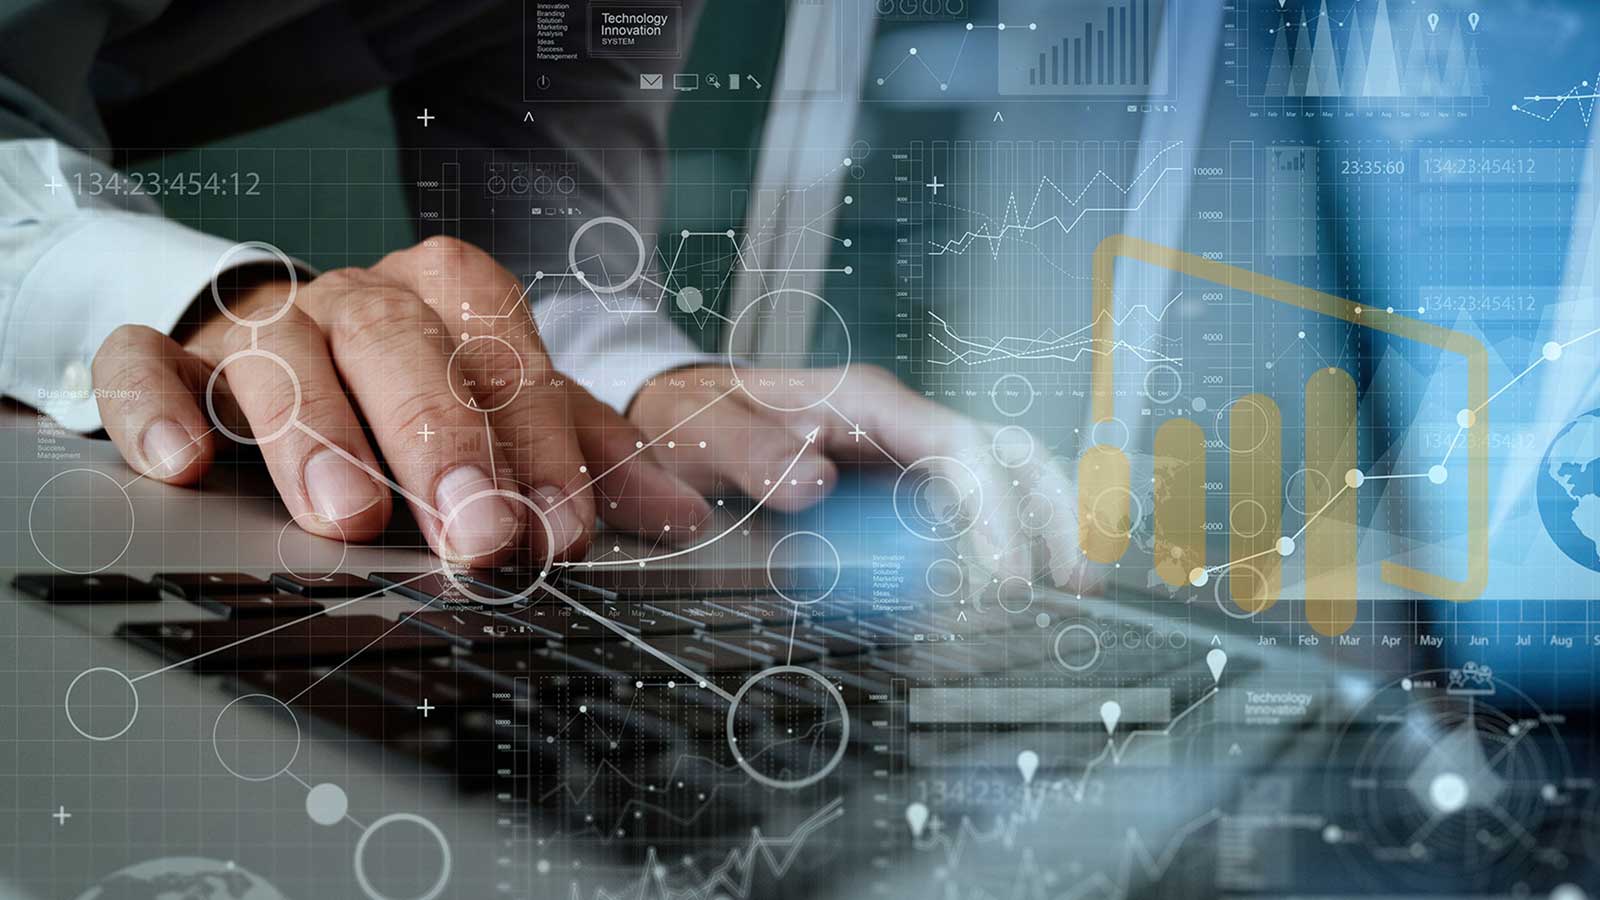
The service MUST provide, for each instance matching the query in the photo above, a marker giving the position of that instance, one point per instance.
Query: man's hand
(1023, 525)
(465, 411)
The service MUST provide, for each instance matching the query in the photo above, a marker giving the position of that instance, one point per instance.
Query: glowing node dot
(1465, 418)
(1302, 335)
(848, 199)
(1285, 546)
(1354, 478)
(702, 445)
(1198, 576)
(672, 445)
(848, 161)
(848, 242)
(913, 51)
(1002, 26)
(1552, 351)
(583, 469)
(849, 270)
(880, 82)
(638, 445)
(969, 26)
(1438, 474)
(684, 233)
(943, 86)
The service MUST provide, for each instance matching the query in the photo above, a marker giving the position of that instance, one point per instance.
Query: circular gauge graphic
(1448, 772)
(788, 727)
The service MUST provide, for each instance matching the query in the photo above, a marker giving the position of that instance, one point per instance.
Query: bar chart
(1086, 48)
(1252, 431)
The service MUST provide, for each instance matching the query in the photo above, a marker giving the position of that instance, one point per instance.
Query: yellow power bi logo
(1255, 461)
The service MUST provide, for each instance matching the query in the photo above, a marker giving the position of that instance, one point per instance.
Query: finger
(147, 388)
(387, 346)
(497, 348)
(282, 379)
(765, 455)
(1058, 520)
(635, 492)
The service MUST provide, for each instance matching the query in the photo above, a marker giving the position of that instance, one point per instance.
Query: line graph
(1547, 107)
(1069, 347)
(1013, 221)
(734, 877)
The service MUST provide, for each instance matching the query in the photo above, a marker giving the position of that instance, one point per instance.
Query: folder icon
(1255, 464)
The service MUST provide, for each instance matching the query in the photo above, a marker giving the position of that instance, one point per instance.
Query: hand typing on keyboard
(455, 407)
(1019, 502)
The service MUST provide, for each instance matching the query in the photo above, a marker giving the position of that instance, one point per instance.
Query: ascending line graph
(1547, 107)
(1015, 223)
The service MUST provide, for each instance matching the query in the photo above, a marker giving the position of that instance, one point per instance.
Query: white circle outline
(838, 567)
(813, 778)
(432, 829)
(132, 523)
(994, 396)
(1037, 497)
(216, 293)
(544, 571)
(844, 370)
(1135, 512)
(211, 406)
(1164, 368)
(522, 372)
(1002, 604)
(572, 254)
(971, 520)
(994, 447)
(344, 546)
(1055, 647)
(298, 739)
(66, 704)
(1223, 605)
(1224, 432)
(961, 578)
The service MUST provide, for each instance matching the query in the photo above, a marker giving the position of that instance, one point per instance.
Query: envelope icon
(651, 81)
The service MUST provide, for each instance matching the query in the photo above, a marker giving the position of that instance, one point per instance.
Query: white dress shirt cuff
(610, 354)
(100, 270)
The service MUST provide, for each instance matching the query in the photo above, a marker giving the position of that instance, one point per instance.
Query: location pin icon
(917, 818)
(1027, 764)
(1472, 21)
(1110, 712)
(1433, 21)
(1216, 661)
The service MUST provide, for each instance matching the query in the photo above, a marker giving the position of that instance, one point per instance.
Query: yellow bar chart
(1258, 548)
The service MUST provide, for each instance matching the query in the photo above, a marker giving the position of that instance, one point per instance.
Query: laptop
(227, 701)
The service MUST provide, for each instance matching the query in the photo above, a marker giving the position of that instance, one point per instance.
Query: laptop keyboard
(453, 680)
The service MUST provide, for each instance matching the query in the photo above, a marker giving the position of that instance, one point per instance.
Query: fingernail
(168, 449)
(566, 526)
(480, 527)
(338, 488)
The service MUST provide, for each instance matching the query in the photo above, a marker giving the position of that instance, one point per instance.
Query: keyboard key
(83, 589)
(281, 606)
(221, 645)
(475, 631)
(432, 588)
(193, 585)
(325, 585)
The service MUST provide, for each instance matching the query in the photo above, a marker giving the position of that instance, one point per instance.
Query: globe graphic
(182, 878)
(1569, 490)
